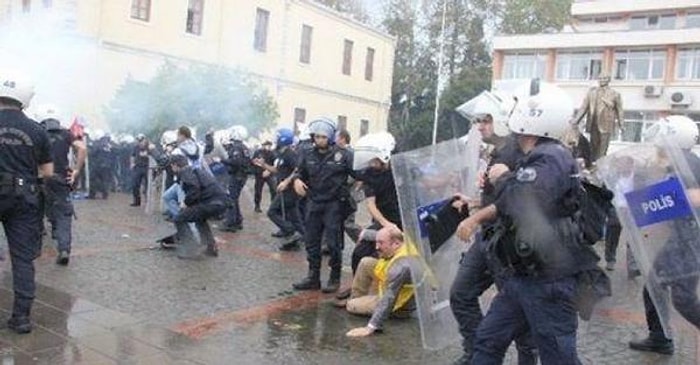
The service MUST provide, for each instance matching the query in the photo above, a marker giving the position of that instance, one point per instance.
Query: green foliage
(466, 64)
(207, 97)
(532, 16)
(353, 7)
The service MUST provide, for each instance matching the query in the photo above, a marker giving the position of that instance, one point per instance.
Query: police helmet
(168, 138)
(682, 130)
(140, 137)
(15, 87)
(542, 110)
(494, 103)
(285, 137)
(323, 127)
(373, 146)
(238, 133)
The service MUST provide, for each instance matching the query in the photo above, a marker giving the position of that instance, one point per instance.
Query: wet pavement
(123, 301)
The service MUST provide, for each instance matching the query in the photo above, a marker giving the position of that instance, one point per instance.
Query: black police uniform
(325, 173)
(284, 209)
(380, 186)
(473, 275)
(204, 199)
(59, 205)
(24, 146)
(238, 163)
(269, 158)
(541, 256)
(139, 174)
(102, 163)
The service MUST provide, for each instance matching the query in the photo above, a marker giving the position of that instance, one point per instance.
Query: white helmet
(542, 110)
(494, 103)
(681, 130)
(48, 111)
(128, 139)
(371, 146)
(98, 133)
(304, 134)
(238, 133)
(168, 138)
(14, 86)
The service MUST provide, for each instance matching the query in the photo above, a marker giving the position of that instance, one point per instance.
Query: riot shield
(653, 186)
(426, 179)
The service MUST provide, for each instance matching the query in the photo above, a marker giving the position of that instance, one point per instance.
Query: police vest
(381, 273)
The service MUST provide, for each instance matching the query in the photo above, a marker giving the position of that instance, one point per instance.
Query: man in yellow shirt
(383, 286)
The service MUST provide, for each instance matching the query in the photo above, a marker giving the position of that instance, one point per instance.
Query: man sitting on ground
(390, 275)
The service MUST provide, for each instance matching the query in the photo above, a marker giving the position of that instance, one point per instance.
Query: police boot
(19, 324)
(311, 282)
(333, 283)
(657, 344)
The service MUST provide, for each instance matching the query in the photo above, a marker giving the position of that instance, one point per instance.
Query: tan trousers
(363, 295)
(599, 143)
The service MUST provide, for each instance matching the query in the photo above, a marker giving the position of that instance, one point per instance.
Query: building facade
(314, 61)
(650, 48)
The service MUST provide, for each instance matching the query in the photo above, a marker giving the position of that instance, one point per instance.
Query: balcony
(641, 38)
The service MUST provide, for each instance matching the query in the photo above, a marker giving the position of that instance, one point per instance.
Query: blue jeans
(172, 199)
(543, 306)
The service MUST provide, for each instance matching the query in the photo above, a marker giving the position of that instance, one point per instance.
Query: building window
(262, 20)
(305, 51)
(364, 127)
(579, 65)
(692, 20)
(195, 13)
(299, 118)
(347, 57)
(342, 123)
(523, 65)
(369, 64)
(636, 123)
(141, 9)
(640, 64)
(688, 64)
(666, 21)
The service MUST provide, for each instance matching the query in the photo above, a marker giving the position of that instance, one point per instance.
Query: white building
(651, 48)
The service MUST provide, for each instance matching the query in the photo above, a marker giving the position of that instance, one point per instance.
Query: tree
(203, 96)
(531, 16)
(353, 7)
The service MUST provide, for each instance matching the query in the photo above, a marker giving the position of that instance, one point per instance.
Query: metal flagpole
(441, 56)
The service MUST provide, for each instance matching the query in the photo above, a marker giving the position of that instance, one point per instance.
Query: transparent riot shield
(155, 189)
(426, 179)
(655, 187)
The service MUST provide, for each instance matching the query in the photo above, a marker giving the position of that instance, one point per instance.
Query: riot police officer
(238, 163)
(675, 259)
(262, 176)
(284, 209)
(25, 149)
(489, 112)
(102, 166)
(59, 205)
(140, 159)
(541, 251)
(322, 174)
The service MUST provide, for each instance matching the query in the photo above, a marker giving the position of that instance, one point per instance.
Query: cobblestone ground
(122, 301)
